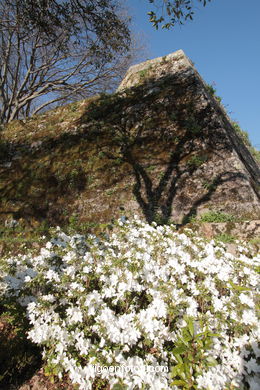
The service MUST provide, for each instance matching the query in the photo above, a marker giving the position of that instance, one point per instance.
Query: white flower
(70, 270)
(252, 366)
(48, 245)
(77, 286)
(245, 299)
(125, 299)
(249, 317)
(74, 315)
(254, 382)
(48, 298)
(52, 276)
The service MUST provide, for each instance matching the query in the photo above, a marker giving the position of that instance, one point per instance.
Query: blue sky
(223, 41)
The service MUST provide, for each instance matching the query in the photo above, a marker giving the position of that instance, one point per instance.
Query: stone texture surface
(228, 159)
(162, 147)
(248, 231)
(173, 63)
(243, 230)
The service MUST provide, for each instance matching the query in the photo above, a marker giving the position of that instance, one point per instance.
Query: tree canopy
(99, 15)
(98, 22)
(167, 13)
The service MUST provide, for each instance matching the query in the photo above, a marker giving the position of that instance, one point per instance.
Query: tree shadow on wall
(33, 187)
(157, 201)
(166, 115)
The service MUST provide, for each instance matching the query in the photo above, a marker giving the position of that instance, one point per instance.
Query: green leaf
(191, 326)
(190, 357)
(238, 288)
(178, 383)
(118, 386)
(179, 350)
(186, 337)
(211, 362)
(187, 369)
(179, 359)
(214, 334)
(177, 370)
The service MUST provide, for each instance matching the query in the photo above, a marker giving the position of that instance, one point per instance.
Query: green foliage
(73, 222)
(255, 240)
(4, 150)
(159, 219)
(151, 168)
(76, 179)
(242, 133)
(225, 237)
(190, 353)
(118, 161)
(256, 243)
(164, 60)
(245, 137)
(119, 387)
(212, 91)
(217, 216)
(210, 185)
(75, 225)
(197, 161)
(75, 18)
(20, 238)
(193, 125)
(172, 12)
(143, 74)
(19, 358)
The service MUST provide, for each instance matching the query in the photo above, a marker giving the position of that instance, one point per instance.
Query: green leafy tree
(169, 13)
(96, 17)
(47, 14)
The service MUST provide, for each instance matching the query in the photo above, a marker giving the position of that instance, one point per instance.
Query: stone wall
(162, 147)
(230, 167)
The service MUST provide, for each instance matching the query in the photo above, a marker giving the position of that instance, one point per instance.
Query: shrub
(146, 296)
(212, 91)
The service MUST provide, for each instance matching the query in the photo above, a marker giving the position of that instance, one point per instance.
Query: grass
(255, 241)
(216, 216)
(225, 237)
(197, 160)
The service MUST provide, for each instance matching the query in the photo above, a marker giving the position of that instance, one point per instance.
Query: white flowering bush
(145, 296)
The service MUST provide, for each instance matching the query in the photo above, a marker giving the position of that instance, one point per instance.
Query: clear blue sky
(223, 41)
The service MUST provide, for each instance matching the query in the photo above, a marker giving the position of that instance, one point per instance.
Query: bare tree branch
(37, 71)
